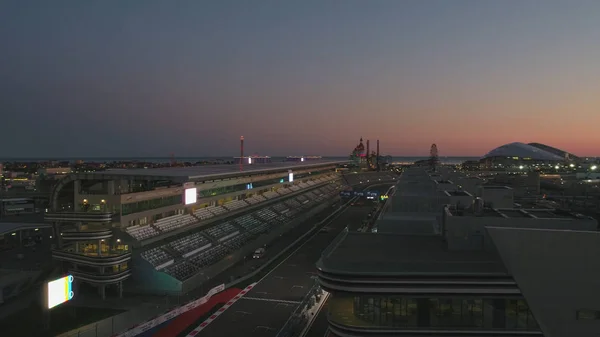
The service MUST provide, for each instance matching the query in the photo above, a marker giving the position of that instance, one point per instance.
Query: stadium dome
(555, 151)
(522, 150)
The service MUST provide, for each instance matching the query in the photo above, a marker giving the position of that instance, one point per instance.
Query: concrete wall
(468, 232)
(557, 272)
(146, 279)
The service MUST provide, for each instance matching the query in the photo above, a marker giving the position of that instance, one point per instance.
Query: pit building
(168, 230)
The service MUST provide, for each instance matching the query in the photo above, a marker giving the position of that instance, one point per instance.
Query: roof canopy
(522, 150)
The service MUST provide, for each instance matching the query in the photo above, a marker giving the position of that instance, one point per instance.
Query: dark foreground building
(464, 272)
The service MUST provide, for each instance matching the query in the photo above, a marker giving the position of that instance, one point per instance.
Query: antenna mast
(241, 153)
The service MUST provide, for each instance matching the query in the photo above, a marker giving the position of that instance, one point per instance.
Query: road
(264, 310)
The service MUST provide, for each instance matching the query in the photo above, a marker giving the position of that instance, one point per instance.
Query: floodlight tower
(368, 156)
(377, 166)
(241, 153)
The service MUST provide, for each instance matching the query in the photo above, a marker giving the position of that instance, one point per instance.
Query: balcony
(99, 278)
(102, 217)
(88, 234)
(107, 258)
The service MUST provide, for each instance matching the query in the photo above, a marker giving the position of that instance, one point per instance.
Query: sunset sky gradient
(150, 78)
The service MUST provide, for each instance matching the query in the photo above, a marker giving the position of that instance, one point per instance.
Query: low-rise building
(488, 272)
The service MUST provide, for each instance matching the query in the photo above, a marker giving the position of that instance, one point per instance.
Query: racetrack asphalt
(264, 310)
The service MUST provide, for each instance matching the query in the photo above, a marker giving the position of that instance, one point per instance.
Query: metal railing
(299, 318)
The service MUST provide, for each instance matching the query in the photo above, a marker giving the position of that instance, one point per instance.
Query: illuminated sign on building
(60, 291)
(191, 196)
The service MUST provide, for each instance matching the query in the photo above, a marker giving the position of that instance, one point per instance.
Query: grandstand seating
(204, 213)
(188, 245)
(221, 230)
(158, 257)
(292, 212)
(209, 246)
(181, 271)
(260, 197)
(235, 204)
(173, 222)
(142, 232)
(310, 195)
(302, 199)
(266, 214)
(238, 241)
(281, 208)
(254, 200)
(209, 256)
(293, 203)
(270, 195)
(248, 221)
(217, 210)
(284, 191)
(252, 224)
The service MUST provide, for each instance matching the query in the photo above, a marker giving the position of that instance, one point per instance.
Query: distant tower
(433, 157)
(241, 153)
(368, 155)
(377, 159)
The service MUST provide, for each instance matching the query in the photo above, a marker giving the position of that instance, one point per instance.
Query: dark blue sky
(150, 78)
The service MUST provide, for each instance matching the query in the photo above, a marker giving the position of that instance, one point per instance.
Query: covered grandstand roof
(213, 171)
(522, 150)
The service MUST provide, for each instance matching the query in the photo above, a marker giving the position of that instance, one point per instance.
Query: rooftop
(487, 212)
(398, 254)
(458, 193)
(9, 276)
(443, 182)
(10, 227)
(208, 171)
(519, 213)
(489, 187)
